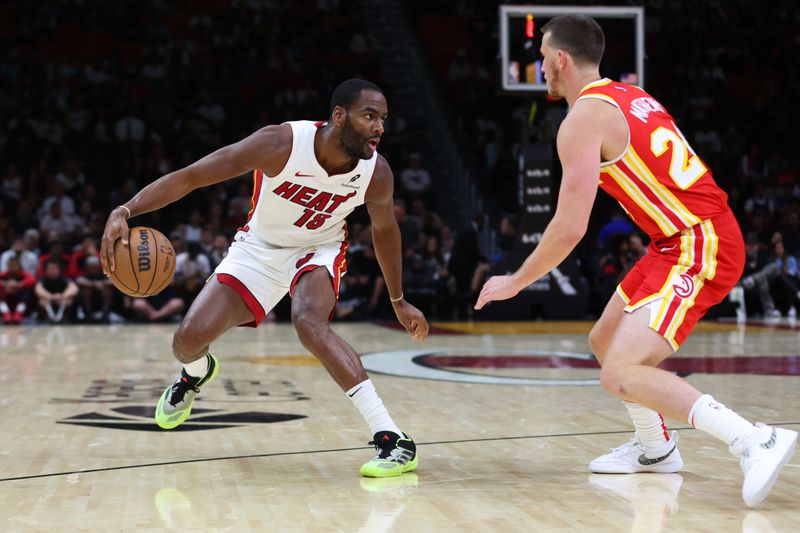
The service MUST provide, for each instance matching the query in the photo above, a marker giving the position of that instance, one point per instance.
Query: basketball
(144, 267)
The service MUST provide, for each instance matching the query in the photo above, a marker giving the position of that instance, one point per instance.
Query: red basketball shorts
(684, 275)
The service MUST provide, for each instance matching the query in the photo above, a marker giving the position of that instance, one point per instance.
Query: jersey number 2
(685, 167)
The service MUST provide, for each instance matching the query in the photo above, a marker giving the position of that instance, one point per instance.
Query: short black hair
(578, 35)
(349, 91)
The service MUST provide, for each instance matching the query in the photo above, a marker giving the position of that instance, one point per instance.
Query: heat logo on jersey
(318, 204)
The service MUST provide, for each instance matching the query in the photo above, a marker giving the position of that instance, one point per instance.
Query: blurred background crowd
(97, 99)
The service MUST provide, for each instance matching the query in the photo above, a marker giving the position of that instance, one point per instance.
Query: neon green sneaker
(396, 455)
(175, 404)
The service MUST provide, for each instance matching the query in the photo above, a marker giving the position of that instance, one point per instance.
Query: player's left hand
(497, 288)
(412, 319)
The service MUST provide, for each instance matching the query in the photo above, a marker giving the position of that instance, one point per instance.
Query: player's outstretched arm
(266, 149)
(579, 142)
(386, 241)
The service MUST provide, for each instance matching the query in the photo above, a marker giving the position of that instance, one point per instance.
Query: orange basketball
(146, 266)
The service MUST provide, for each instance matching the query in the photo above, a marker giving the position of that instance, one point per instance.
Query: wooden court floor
(506, 417)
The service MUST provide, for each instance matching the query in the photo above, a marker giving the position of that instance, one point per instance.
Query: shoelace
(746, 461)
(384, 451)
(394, 453)
(391, 451)
(401, 455)
(625, 448)
(179, 390)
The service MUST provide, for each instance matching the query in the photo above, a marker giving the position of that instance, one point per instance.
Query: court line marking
(333, 450)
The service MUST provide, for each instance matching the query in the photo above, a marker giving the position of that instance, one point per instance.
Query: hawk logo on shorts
(684, 287)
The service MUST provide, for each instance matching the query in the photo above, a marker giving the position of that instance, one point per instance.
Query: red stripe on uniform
(669, 315)
(258, 178)
(247, 297)
(300, 272)
(664, 427)
(699, 244)
(340, 267)
(697, 266)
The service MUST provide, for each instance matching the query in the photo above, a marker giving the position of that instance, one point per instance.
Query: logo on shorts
(305, 259)
(685, 286)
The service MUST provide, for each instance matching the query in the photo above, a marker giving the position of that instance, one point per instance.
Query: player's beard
(353, 144)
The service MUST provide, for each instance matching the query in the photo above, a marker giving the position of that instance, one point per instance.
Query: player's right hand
(412, 319)
(116, 228)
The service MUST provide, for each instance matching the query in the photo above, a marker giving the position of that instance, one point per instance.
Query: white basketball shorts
(262, 274)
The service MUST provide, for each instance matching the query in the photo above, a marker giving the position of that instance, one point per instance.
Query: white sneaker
(630, 459)
(762, 454)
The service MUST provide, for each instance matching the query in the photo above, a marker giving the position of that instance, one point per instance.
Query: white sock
(4, 307)
(371, 407)
(716, 419)
(197, 368)
(20, 307)
(651, 429)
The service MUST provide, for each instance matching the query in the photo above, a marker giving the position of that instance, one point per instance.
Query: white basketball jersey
(303, 205)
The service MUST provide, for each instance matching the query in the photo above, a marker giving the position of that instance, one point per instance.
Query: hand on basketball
(116, 228)
(412, 319)
(497, 288)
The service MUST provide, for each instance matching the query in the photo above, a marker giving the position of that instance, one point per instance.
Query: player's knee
(308, 323)
(188, 341)
(612, 378)
(598, 343)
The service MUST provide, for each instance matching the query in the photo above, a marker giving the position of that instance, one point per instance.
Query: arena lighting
(529, 26)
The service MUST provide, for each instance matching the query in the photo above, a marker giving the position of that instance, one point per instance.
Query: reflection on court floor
(506, 417)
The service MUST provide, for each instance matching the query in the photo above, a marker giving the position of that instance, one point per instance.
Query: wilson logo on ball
(145, 266)
(144, 251)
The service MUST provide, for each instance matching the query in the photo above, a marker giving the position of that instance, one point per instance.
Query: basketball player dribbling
(307, 178)
(695, 258)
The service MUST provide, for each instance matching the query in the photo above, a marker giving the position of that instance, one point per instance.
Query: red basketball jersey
(659, 180)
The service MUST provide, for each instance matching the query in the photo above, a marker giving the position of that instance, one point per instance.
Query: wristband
(393, 300)
(126, 209)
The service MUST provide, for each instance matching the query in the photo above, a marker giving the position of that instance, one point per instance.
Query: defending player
(695, 258)
(307, 178)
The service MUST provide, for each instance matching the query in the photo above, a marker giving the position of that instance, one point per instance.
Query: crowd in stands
(97, 100)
